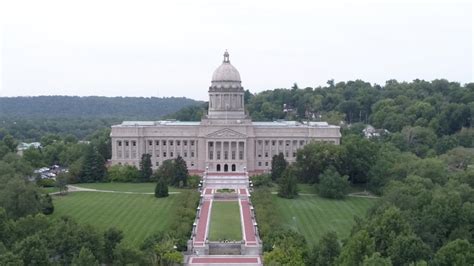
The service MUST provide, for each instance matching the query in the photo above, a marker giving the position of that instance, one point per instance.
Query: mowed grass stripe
(315, 216)
(138, 216)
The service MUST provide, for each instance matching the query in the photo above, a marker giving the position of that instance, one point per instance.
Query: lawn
(125, 187)
(225, 221)
(137, 216)
(312, 216)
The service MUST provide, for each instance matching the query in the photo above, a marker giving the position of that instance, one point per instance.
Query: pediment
(225, 134)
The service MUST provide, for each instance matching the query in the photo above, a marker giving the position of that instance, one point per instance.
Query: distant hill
(91, 107)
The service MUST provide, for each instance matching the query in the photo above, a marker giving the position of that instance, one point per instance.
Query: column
(214, 155)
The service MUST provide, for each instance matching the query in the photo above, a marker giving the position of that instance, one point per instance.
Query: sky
(171, 48)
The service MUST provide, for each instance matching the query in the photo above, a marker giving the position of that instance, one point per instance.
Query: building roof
(284, 123)
(157, 123)
(278, 123)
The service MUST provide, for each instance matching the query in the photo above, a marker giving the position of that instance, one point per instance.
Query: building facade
(225, 140)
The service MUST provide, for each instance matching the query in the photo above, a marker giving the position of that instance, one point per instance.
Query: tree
(85, 258)
(93, 166)
(181, 172)
(279, 165)
(112, 238)
(145, 168)
(333, 185)
(456, 252)
(288, 185)
(47, 204)
(359, 156)
(32, 250)
(161, 189)
(61, 183)
(376, 260)
(357, 247)
(20, 198)
(407, 249)
(10, 142)
(314, 158)
(327, 250)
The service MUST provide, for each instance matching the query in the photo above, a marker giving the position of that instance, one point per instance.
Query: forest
(30, 118)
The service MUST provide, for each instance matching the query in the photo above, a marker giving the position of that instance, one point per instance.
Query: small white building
(225, 140)
(24, 146)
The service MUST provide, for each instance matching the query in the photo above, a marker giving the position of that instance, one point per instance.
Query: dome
(226, 71)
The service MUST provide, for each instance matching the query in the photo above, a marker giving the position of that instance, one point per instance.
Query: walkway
(249, 249)
(72, 188)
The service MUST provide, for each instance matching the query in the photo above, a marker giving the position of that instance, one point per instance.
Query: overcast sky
(158, 48)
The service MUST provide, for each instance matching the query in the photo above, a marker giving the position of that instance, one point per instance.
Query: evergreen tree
(93, 166)
(287, 185)
(85, 258)
(161, 189)
(47, 204)
(181, 172)
(279, 165)
(145, 168)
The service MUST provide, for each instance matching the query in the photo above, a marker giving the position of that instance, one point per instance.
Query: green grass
(125, 187)
(138, 216)
(46, 190)
(312, 216)
(225, 221)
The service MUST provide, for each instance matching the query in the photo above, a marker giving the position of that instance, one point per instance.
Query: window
(266, 154)
(266, 142)
(218, 155)
(192, 163)
(119, 143)
(192, 154)
(164, 154)
(192, 142)
(233, 155)
(134, 143)
(211, 155)
(273, 143)
(259, 142)
(259, 156)
(157, 163)
(286, 154)
(287, 143)
(171, 154)
(259, 163)
(158, 154)
(171, 143)
(280, 142)
(211, 144)
(150, 142)
(178, 143)
(241, 155)
(164, 142)
(294, 154)
(185, 154)
(185, 142)
(126, 143)
(157, 143)
(301, 142)
(226, 155)
(266, 163)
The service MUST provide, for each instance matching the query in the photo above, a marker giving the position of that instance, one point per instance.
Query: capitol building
(225, 140)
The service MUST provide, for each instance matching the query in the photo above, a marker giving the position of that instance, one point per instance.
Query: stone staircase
(218, 181)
